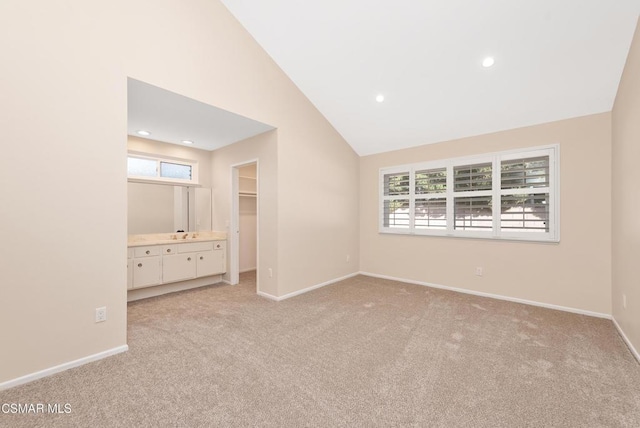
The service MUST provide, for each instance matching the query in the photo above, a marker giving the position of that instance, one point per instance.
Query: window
(145, 167)
(142, 167)
(175, 170)
(506, 195)
(431, 201)
(524, 194)
(396, 205)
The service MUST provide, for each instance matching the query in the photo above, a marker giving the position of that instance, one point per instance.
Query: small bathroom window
(141, 167)
(175, 170)
(145, 167)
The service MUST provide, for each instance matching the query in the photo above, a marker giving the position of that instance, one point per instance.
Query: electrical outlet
(101, 314)
(348, 258)
(270, 273)
(478, 271)
(624, 301)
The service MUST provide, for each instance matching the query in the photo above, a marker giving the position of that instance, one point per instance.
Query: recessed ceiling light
(380, 98)
(488, 62)
(187, 141)
(143, 132)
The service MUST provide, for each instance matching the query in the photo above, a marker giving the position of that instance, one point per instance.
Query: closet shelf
(248, 194)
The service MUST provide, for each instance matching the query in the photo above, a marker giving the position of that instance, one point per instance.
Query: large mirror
(160, 208)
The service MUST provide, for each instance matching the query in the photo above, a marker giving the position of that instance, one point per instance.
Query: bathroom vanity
(171, 262)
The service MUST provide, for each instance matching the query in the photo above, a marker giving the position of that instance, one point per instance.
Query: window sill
(541, 240)
(168, 182)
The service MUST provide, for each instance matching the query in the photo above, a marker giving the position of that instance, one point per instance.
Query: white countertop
(174, 238)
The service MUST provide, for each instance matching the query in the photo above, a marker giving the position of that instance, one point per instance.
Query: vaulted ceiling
(554, 59)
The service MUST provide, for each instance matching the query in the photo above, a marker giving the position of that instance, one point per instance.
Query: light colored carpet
(362, 352)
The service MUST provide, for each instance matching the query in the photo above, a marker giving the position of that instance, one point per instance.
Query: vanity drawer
(146, 251)
(169, 249)
(193, 247)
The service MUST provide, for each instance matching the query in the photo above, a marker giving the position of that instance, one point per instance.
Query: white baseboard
(493, 296)
(172, 287)
(62, 367)
(305, 290)
(268, 296)
(633, 350)
(248, 269)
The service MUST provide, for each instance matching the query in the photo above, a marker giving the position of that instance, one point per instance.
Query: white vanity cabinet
(176, 265)
(213, 261)
(169, 263)
(147, 264)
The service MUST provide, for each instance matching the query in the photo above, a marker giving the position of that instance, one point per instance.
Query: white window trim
(163, 180)
(553, 150)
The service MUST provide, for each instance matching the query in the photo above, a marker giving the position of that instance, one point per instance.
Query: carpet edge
(626, 340)
(493, 296)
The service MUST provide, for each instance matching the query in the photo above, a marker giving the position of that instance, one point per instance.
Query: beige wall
(575, 273)
(63, 82)
(262, 148)
(63, 184)
(626, 199)
(318, 188)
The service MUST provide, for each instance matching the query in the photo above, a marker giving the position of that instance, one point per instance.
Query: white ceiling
(555, 59)
(171, 118)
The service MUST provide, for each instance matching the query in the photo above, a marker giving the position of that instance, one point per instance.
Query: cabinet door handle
(201, 258)
(139, 264)
(168, 250)
(148, 252)
(189, 259)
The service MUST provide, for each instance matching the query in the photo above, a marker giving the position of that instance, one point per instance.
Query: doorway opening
(244, 227)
